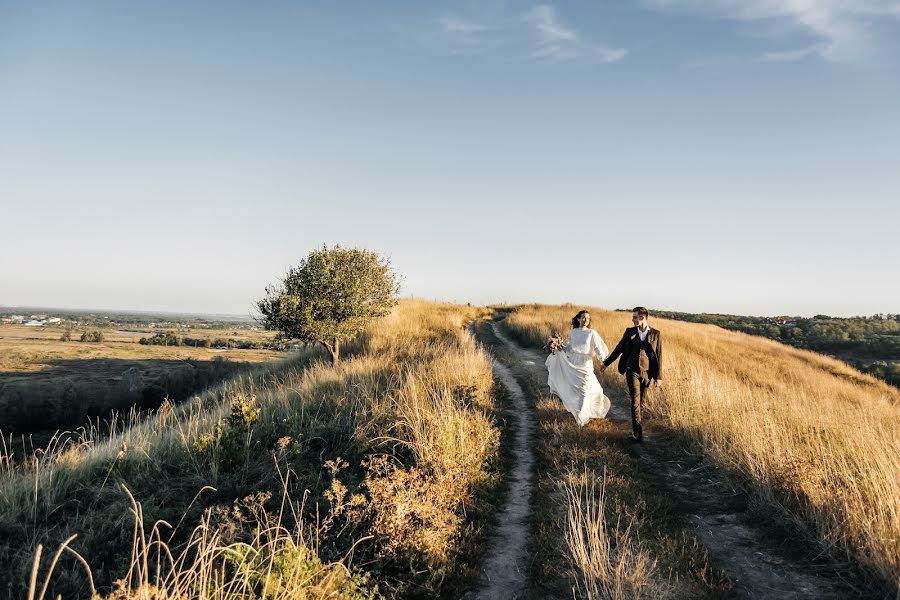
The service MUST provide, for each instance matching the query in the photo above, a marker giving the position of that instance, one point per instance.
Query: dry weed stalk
(605, 559)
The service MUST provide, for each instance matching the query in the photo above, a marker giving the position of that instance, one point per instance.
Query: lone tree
(330, 297)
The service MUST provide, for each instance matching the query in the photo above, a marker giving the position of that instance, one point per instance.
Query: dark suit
(641, 363)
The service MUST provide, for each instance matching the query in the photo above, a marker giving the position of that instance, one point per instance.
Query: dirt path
(505, 572)
(758, 564)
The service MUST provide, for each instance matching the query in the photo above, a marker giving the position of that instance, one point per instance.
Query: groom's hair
(641, 311)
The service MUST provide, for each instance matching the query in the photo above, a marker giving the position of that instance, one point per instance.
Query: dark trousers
(637, 390)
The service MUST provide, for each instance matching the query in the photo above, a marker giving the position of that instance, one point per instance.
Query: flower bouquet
(555, 344)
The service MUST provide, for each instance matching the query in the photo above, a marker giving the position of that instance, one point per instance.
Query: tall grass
(606, 560)
(816, 438)
(276, 563)
(407, 411)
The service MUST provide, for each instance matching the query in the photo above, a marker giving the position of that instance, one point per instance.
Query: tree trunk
(333, 350)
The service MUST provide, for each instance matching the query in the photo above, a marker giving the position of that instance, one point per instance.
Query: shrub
(94, 336)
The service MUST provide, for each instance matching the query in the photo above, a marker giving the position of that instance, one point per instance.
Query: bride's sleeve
(600, 347)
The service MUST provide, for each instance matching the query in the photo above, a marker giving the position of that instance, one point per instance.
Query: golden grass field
(817, 439)
(46, 383)
(304, 481)
(31, 349)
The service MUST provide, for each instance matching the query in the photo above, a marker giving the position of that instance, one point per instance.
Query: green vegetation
(95, 336)
(168, 338)
(330, 297)
(871, 344)
(307, 480)
(119, 319)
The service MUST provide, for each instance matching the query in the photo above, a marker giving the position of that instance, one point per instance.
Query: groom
(641, 363)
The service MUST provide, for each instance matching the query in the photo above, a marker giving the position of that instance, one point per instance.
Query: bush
(94, 336)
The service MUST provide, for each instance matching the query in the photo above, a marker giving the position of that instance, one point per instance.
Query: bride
(571, 372)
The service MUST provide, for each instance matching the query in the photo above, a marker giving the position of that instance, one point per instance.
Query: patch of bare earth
(506, 566)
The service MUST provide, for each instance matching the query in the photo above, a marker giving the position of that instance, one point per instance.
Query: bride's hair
(575, 324)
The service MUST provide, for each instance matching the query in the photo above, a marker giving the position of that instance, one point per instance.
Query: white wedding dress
(571, 375)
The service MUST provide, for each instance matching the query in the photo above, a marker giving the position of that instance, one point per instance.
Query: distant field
(29, 349)
(46, 383)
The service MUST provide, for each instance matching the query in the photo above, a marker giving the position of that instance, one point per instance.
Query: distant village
(143, 321)
(32, 321)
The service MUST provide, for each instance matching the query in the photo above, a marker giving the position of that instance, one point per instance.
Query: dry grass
(276, 564)
(413, 395)
(606, 560)
(47, 384)
(35, 349)
(816, 437)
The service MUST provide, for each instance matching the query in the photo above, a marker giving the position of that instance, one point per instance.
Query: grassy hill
(870, 344)
(363, 479)
(812, 438)
(380, 477)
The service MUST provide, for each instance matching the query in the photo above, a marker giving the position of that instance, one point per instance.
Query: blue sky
(697, 155)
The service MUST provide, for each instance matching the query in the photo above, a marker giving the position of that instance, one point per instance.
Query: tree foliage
(330, 297)
(94, 336)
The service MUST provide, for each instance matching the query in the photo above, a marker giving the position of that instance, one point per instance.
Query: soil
(505, 572)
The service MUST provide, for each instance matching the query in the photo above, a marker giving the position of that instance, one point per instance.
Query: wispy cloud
(537, 35)
(790, 55)
(461, 26)
(557, 42)
(842, 27)
(465, 35)
(544, 20)
(727, 61)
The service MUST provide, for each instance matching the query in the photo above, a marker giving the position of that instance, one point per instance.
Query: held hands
(602, 367)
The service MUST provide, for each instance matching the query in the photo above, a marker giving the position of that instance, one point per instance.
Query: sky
(729, 156)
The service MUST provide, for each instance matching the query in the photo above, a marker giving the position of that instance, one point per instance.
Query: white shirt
(644, 333)
(586, 341)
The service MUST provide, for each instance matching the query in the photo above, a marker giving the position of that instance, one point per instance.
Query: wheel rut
(756, 563)
(504, 574)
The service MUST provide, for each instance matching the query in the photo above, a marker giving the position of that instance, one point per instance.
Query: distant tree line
(173, 339)
(118, 319)
(871, 344)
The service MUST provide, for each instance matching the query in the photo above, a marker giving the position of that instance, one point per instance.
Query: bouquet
(555, 344)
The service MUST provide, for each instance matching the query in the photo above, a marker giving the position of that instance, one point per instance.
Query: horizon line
(194, 313)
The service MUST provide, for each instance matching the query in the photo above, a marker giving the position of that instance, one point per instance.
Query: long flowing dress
(571, 375)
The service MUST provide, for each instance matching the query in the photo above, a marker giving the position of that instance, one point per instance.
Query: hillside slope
(307, 480)
(811, 437)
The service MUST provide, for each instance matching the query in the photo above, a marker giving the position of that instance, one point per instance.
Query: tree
(330, 297)
(95, 336)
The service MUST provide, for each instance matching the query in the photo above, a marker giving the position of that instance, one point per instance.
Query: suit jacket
(625, 347)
